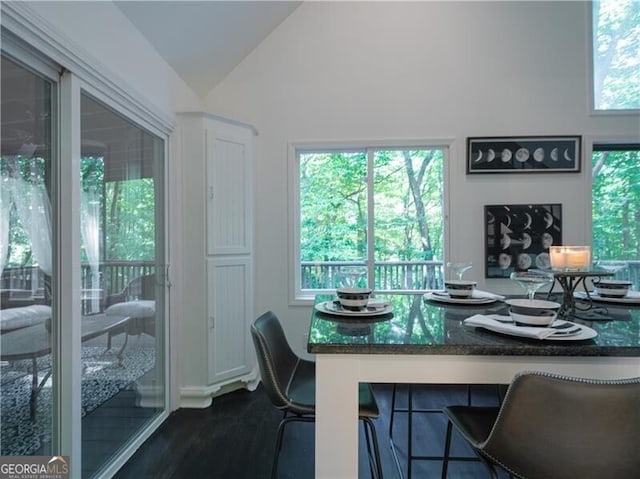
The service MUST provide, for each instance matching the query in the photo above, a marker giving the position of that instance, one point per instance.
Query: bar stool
(555, 426)
(290, 383)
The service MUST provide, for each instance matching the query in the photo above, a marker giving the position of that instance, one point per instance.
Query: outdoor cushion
(142, 308)
(16, 318)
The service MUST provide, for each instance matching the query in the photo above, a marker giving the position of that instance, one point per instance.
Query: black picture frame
(524, 154)
(517, 237)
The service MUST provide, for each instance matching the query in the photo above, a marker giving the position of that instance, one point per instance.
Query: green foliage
(407, 198)
(126, 212)
(616, 205)
(130, 222)
(617, 54)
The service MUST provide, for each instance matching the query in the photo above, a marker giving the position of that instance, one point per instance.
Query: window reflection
(26, 370)
(121, 261)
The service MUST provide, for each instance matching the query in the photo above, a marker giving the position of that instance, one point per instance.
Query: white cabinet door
(230, 314)
(229, 181)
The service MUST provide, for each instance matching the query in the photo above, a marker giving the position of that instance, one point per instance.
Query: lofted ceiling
(204, 40)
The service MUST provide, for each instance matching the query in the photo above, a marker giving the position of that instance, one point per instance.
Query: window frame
(590, 20)
(603, 143)
(297, 296)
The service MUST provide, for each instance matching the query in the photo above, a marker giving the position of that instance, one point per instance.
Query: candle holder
(570, 258)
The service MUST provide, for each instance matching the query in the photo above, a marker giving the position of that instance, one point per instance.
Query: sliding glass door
(122, 271)
(111, 339)
(27, 368)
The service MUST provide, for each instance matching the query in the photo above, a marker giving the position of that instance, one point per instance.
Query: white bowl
(533, 312)
(612, 288)
(353, 298)
(459, 288)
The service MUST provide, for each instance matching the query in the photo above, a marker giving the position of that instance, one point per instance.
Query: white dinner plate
(522, 331)
(443, 297)
(334, 308)
(632, 297)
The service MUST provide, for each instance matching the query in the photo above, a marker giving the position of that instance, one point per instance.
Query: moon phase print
(524, 154)
(518, 237)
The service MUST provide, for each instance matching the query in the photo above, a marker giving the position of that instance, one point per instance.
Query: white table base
(338, 375)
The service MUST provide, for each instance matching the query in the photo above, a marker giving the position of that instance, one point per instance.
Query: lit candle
(570, 258)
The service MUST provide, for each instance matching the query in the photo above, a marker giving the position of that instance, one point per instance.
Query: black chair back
(276, 360)
(551, 426)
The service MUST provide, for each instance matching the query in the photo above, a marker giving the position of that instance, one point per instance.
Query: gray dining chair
(290, 384)
(555, 427)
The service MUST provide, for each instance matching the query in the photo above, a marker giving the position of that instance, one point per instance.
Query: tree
(616, 30)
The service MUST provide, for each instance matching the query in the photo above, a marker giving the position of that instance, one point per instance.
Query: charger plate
(632, 297)
(335, 309)
(443, 297)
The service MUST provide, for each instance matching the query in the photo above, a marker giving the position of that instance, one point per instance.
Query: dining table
(423, 338)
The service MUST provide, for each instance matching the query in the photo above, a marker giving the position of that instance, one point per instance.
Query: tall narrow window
(616, 54)
(370, 217)
(616, 209)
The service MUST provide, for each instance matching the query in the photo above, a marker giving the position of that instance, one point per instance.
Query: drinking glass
(611, 265)
(459, 268)
(532, 280)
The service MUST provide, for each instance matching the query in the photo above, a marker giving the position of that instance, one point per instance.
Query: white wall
(102, 31)
(373, 70)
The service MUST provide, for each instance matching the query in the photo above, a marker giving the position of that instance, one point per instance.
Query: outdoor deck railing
(113, 276)
(389, 275)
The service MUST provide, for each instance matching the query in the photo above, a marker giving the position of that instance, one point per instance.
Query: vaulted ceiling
(204, 40)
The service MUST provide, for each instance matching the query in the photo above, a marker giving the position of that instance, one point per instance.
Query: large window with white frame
(368, 216)
(616, 55)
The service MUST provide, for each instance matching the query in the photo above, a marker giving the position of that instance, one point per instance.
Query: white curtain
(34, 211)
(5, 208)
(90, 231)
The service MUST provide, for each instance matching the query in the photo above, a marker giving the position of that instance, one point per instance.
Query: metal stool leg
(447, 450)
(372, 440)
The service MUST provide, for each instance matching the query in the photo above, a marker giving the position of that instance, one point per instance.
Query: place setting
(530, 317)
(534, 319)
(356, 304)
(610, 291)
(461, 292)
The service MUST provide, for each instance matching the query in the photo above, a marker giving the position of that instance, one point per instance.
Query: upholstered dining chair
(555, 427)
(289, 382)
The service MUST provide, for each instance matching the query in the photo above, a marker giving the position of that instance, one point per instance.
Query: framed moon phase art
(518, 237)
(524, 154)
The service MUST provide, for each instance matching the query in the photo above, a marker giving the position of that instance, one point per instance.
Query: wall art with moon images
(525, 154)
(518, 237)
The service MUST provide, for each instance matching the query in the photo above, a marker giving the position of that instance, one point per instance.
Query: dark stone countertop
(418, 326)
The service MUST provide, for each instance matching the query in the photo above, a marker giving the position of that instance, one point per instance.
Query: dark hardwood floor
(234, 438)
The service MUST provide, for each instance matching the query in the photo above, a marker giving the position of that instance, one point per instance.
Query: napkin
(488, 322)
(478, 293)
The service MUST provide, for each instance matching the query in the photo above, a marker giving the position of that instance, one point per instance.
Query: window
(616, 54)
(369, 217)
(616, 209)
